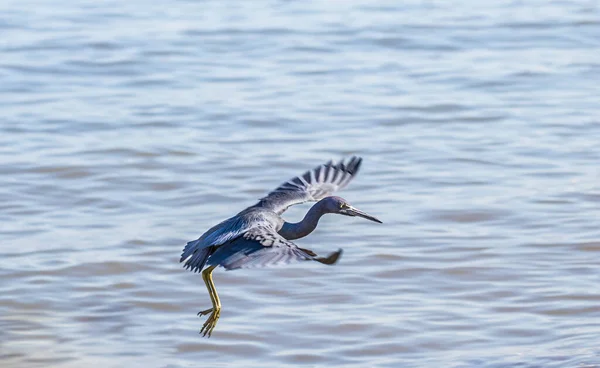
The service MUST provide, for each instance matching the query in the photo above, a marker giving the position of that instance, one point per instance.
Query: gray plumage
(253, 237)
(313, 185)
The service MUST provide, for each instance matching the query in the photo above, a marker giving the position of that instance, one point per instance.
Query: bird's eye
(343, 205)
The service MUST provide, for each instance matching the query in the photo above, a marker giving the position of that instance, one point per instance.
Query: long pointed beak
(356, 212)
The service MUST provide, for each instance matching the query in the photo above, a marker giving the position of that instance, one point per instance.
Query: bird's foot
(211, 322)
(204, 312)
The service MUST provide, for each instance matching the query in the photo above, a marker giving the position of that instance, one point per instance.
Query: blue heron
(258, 236)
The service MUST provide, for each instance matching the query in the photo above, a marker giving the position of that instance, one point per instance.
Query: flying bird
(259, 237)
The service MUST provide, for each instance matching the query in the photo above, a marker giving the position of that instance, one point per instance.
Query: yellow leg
(215, 311)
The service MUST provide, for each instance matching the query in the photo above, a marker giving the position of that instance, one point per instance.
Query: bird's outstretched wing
(261, 246)
(313, 185)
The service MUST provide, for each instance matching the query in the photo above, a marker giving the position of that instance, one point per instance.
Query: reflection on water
(128, 129)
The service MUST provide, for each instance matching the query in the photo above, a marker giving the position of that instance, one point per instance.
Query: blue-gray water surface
(128, 128)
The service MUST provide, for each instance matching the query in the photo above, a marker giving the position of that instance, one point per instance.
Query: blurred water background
(127, 128)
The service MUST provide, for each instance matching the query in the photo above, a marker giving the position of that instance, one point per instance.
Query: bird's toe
(204, 312)
(210, 323)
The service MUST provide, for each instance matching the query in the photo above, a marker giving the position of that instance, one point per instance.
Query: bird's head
(340, 206)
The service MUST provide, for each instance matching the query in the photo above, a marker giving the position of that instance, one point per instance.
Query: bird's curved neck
(292, 231)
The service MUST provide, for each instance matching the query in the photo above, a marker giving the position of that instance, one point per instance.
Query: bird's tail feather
(194, 259)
